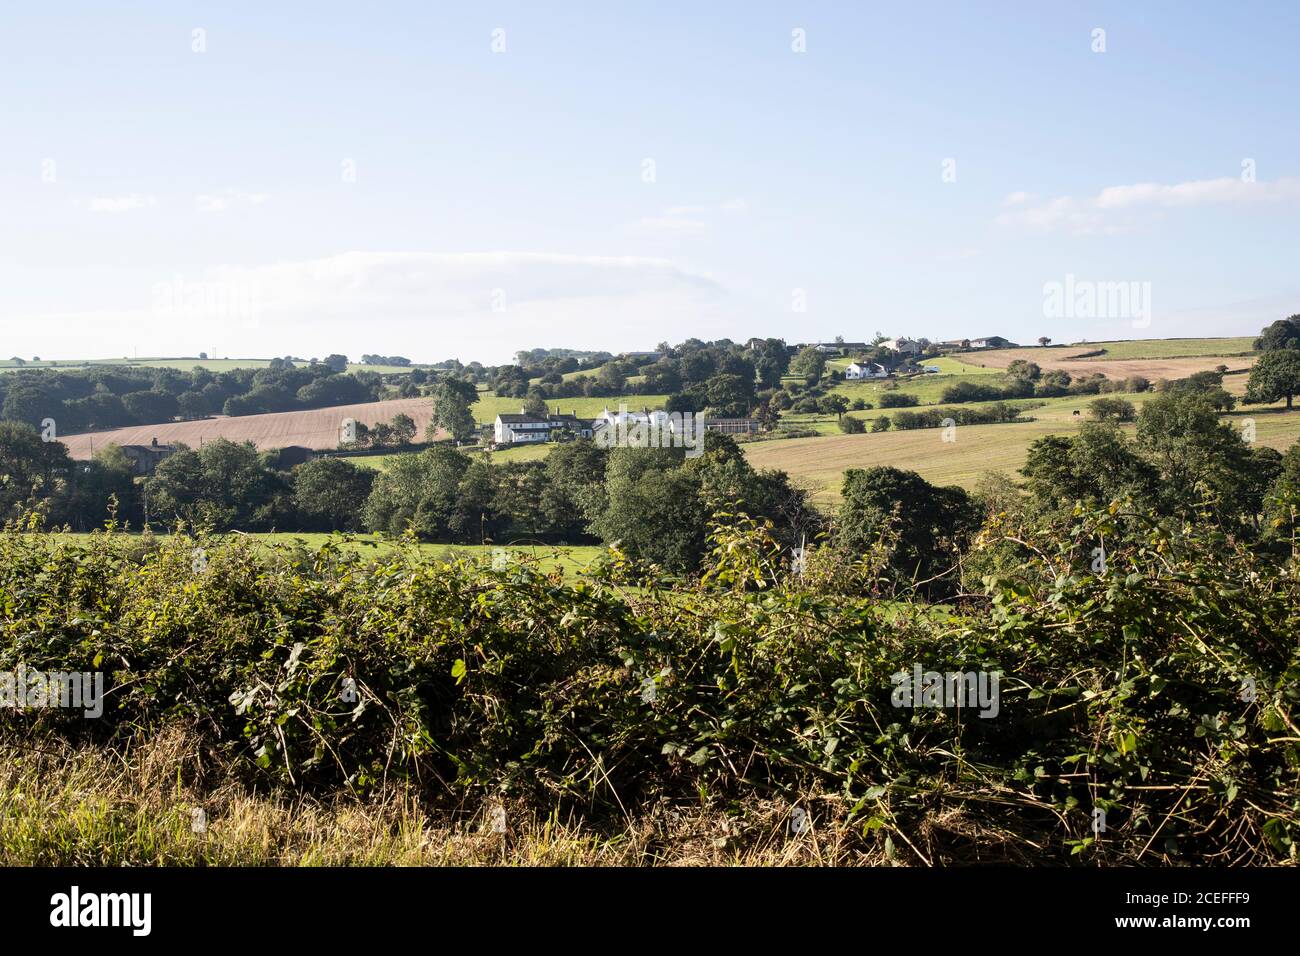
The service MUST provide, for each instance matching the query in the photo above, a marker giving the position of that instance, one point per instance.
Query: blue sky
(376, 178)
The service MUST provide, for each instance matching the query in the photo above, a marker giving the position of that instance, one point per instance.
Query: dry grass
(820, 463)
(314, 428)
(1153, 368)
(86, 806)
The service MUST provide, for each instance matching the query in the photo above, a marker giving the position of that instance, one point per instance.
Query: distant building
(733, 426)
(526, 429)
(145, 458)
(859, 370)
(902, 345)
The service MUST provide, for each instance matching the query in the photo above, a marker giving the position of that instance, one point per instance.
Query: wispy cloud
(226, 198)
(1119, 208)
(690, 219)
(117, 204)
(482, 305)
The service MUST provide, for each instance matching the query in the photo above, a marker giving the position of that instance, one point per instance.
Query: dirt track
(317, 428)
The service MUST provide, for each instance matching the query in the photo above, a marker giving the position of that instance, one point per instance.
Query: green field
(489, 406)
(571, 559)
(927, 388)
(183, 364)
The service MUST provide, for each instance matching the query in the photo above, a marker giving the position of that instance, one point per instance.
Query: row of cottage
(526, 429)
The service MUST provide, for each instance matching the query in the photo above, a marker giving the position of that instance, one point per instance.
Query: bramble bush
(1121, 688)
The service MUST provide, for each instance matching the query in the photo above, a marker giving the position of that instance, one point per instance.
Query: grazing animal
(1076, 413)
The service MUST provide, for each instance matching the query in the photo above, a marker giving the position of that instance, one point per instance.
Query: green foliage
(897, 400)
(329, 494)
(1122, 689)
(223, 485)
(809, 364)
(1112, 409)
(922, 524)
(1276, 375)
(1282, 334)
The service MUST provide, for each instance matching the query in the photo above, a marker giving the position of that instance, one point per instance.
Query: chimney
(155, 443)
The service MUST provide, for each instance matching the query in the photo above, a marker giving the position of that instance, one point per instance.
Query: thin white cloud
(226, 198)
(482, 305)
(1119, 208)
(119, 204)
(690, 219)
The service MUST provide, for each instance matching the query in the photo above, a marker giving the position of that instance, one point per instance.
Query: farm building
(860, 370)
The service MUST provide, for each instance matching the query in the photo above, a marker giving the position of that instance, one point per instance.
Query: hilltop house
(902, 345)
(860, 370)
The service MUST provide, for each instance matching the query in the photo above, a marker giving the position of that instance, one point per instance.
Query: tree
(611, 376)
(150, 407)
(1020, 368)
(1276, 375)
(1112, 409)
(810, 363)
(1200, 460)
(96, 484)
(336, 362)
(417, 492)
(919, 522)
(451, 401)
(730, 396)
(30, 469)
(535, 404)
(1044, 341)
(654, 509)
(224, 484)
(835, 405)
(330, 493)
(192, 405)
(403, 427)
(575, 487)
(1098, 465)
(771, 360)
(1282, 334)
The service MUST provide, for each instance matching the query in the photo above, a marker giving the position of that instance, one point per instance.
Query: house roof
(521, 420)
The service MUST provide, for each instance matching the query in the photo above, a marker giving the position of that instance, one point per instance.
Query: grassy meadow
(183, 364)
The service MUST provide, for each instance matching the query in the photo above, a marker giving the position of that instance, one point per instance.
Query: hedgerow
(1121, 688)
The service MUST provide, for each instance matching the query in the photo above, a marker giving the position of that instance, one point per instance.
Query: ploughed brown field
(317, 428)
(1067, 359)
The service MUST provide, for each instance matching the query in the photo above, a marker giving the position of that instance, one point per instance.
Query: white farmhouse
(521, 429)
(865, 370)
